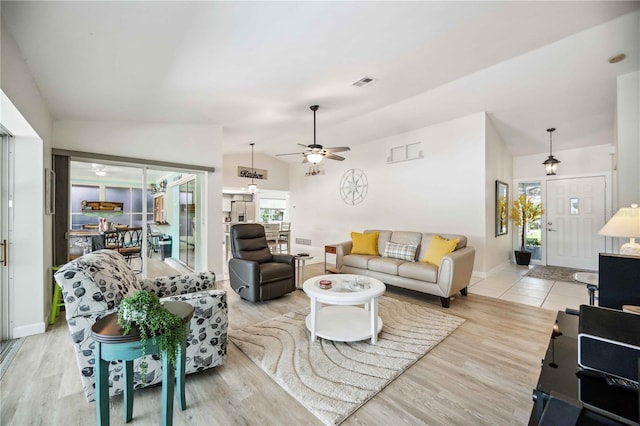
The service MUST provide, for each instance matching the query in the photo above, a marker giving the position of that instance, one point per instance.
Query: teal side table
(112, 345)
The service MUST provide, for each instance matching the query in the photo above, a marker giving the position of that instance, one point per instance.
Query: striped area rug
(333, 379)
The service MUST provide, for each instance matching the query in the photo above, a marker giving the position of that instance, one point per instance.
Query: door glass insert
(188, 223)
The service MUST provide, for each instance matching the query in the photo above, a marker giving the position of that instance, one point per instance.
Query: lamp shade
(314, 158)
(625, 224)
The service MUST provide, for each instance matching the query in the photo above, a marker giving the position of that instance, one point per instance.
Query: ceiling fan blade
(338, 149)
(304, 146)
(291, 153)
(333, 156)
(305, 160)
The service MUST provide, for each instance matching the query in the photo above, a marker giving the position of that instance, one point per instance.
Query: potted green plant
(144, 310)
(524, 212)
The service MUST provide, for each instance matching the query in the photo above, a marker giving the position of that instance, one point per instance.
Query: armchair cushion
(95, 283)
(274, 271)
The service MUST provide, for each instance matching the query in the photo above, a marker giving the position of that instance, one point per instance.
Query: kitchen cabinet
(226, 203)
(159, 215)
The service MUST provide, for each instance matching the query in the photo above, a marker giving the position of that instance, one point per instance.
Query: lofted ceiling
(255, 67)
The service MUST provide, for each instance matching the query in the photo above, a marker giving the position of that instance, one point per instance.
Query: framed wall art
(502, 206)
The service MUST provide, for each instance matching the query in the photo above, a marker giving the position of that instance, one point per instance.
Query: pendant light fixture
(551, 164)
(253, 188)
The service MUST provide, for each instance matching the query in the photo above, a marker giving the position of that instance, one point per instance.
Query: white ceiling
(256, 67)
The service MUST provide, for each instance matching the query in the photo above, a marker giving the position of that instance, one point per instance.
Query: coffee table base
(331, 321)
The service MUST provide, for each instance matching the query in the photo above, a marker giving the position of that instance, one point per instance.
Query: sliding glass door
(187, 222)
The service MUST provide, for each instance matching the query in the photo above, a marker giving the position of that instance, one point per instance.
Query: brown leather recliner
(254, 272)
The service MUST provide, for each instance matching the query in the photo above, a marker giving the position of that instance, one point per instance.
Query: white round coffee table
(342, 319)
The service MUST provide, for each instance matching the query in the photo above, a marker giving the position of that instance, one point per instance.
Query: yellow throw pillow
(438, 247)
(365, 243)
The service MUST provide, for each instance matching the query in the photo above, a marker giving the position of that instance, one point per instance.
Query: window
(533, 242)
(80, 193)
(272, 210)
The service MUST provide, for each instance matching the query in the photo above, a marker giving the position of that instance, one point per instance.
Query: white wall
(178, 143)
(498, 166)
(24, 113)
(277, 172)
(593, 159)
(628, 140)
(443, 192)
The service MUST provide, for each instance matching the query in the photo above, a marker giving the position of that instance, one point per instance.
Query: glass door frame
(517, 191)
(6, 230)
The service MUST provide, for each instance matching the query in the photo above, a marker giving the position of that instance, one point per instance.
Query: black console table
(602, 404)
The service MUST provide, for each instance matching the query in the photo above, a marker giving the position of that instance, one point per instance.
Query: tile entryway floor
(509, 283)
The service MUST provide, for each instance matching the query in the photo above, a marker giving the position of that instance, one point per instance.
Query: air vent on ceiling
(364, 81)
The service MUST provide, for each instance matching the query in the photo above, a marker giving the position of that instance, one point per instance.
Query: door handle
(551, 230)
(4, 253)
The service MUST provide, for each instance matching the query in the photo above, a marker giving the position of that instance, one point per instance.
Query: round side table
(591, 280)
(300, 262)
(112, 345)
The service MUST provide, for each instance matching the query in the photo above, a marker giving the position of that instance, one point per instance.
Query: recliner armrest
(284, 258)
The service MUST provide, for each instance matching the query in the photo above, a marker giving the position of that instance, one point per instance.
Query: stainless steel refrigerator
(243, 211)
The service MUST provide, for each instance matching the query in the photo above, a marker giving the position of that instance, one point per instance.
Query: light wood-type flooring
(482, 374)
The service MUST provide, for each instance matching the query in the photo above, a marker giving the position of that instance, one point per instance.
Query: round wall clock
(353, 186)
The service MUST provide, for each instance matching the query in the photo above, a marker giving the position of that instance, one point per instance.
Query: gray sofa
(450, 277)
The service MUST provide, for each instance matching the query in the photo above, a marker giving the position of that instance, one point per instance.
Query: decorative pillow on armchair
(365, 243)
(400, 251)
(98, 280)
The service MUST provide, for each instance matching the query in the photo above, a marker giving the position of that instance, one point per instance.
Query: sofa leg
(463, 291)
(446, 301)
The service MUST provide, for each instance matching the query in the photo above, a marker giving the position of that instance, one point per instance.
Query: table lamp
(625, 224)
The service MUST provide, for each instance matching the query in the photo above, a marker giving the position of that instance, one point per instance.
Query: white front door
(575, 212)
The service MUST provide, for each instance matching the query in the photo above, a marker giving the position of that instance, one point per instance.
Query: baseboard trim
(29, 330)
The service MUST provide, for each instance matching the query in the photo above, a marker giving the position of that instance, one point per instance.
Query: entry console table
(602, 404)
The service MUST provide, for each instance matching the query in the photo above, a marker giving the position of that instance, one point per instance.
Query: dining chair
(272, 234)
(130, 244)
(285, 232)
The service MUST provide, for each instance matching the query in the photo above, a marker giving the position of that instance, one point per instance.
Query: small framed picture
(49, 191)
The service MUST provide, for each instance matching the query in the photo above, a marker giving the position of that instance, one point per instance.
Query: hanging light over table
(253, 188)
(551, 164)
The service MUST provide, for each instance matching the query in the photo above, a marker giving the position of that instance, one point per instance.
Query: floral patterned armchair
(93, 286)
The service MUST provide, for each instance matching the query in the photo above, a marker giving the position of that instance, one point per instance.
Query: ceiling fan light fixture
(101, 173)
(314, 158)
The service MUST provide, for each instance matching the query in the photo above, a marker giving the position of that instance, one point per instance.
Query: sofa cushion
(438, 248)
(386, 265)
(400, 251)
(357, 260)
(365, 243)
(383, 237)
(419, 271)
(426, 240)
(406, 237)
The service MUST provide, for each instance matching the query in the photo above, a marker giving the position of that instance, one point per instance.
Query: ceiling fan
(314, 153)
